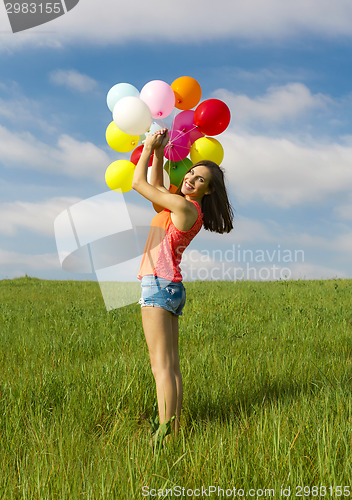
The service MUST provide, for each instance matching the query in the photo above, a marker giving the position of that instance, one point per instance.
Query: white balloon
(166, 178)
(132, 115)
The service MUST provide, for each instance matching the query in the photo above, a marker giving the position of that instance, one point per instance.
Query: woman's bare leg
(177, 370)
(158, 327)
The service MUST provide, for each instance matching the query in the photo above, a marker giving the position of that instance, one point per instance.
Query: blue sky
(284, 73)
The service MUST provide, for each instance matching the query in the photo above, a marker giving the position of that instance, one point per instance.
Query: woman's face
(196, 182)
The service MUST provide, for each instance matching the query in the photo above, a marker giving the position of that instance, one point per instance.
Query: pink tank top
(165, 246)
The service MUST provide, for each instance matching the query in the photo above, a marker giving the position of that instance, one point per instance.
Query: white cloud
(246, 231)
(16, 108)
(247, 266)
(344, 243)
(344, 212)
(81, 158)
(340, 243)
(69, 157)
(73, 80)
(264, 75)
(15, 264)
(272, 242)
(255, 250)
(306, 271)
(36, 217)
(285, 173)
(118, 22)
(279, 103)
(40, 218)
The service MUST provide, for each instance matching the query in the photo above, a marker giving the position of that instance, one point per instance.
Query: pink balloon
(159, 97)
(178, 147)
(184, 121)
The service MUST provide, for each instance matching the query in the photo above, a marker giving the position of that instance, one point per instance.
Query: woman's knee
(162, 371)
(176, 368)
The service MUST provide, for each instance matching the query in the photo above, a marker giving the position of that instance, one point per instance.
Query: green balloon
(177, 170)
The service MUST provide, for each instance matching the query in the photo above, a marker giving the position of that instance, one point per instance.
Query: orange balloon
(187, 92)
(157, 208)
(172, 190)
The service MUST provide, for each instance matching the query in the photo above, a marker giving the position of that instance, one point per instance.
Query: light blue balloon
(119, 91)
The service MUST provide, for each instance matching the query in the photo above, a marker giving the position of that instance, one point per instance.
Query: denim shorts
(159, 292)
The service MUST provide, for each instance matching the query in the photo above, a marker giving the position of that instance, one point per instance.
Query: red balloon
(136, 154)
(212, 117)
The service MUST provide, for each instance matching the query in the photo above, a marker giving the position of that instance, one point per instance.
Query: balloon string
(181, 147)
(181, 133)
(177, 154)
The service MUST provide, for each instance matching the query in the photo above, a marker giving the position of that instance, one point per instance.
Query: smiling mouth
(188, 186)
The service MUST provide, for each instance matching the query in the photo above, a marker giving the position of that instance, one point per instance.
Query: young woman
(200, 200)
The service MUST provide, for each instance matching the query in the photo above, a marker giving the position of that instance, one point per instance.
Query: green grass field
(267, 370)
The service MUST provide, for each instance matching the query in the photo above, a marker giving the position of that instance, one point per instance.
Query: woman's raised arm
(156, 172)
(157, 193)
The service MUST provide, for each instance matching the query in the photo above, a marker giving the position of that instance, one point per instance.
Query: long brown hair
(216, 208)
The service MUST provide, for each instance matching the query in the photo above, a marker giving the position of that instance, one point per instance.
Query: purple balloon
(178, 147)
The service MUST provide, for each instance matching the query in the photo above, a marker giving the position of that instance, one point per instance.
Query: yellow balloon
(207, 148)
(119, 175)
(119, 141)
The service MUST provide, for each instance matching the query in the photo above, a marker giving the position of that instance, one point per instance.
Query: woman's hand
(157, 141)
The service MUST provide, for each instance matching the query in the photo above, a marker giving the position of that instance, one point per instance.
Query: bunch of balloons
(136, 114)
